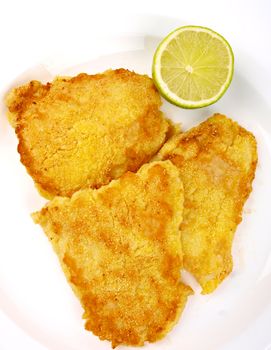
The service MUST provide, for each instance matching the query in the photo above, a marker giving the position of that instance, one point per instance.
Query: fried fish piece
(84, 131)
(120, 249)
(217, 162)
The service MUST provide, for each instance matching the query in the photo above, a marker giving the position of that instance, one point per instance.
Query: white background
(60, 33)
(31, 31)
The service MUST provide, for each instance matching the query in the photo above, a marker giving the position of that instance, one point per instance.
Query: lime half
(193, 66)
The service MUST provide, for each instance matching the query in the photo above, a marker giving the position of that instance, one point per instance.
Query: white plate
(34, 295)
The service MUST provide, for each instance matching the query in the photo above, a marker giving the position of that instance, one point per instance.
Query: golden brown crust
(87, 130)
(217, 162)
(120, 249)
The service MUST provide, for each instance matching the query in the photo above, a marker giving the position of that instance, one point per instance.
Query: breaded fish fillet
(85, 131)
(120, 249)
(217, 162)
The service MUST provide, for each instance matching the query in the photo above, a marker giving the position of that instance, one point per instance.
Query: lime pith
(193, 66)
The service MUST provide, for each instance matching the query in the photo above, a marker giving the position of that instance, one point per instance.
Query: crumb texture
(120, 249)
(216, 162)
(84, 131)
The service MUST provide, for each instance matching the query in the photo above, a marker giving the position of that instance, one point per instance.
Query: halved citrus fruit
(193, 66)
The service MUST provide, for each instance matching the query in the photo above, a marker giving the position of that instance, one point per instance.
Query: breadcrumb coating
(84, 131)
(216, 162)
(120, 249)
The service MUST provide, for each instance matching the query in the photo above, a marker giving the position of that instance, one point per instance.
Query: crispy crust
(120, 249)
(217, 162)
(87, 130)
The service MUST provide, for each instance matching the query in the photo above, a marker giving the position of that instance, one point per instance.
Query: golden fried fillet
(120, 249)
(85, 131)
(217, 162)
